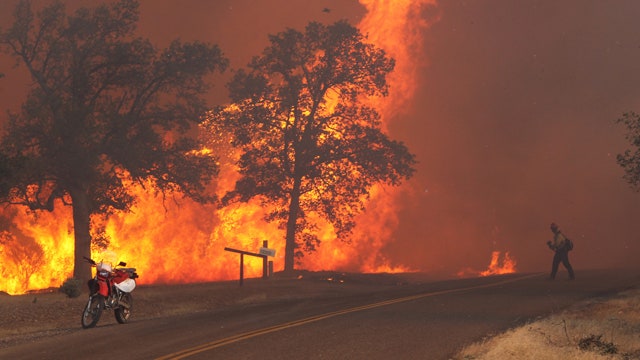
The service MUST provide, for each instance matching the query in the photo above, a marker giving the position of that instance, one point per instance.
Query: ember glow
(174, 240)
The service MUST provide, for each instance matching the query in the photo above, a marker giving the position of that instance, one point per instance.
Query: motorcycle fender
(104, 289)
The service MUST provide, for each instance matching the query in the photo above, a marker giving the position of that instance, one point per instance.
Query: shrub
(596, 344)
(71, 287)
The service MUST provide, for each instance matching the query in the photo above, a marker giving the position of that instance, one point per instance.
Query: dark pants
(561, 256)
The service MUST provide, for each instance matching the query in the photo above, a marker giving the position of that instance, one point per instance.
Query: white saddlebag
(127, 285)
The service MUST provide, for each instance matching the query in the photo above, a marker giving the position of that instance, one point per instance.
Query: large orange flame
(397, 27)
(36, 250)
(176, 240)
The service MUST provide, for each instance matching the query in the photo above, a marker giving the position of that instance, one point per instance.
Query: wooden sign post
(264, 253)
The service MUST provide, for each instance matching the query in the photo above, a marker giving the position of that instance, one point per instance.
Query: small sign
(267, 251)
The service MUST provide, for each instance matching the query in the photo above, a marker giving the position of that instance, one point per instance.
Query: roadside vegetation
(601, 328)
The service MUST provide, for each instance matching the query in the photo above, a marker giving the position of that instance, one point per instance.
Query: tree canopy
(308, 140)
(103, 106)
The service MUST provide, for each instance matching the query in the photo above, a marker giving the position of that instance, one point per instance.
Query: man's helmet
(554, 226)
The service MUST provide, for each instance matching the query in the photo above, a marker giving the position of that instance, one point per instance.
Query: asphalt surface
(430, 320)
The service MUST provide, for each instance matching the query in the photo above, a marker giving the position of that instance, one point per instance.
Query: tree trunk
(290, 244)
(81, 228)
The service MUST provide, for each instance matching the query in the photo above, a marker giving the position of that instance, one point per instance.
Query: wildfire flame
(176, 240)
(496, 266)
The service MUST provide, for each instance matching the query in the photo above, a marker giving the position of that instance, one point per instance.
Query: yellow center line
(251, 334)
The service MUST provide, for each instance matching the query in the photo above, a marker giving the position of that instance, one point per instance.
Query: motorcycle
(110, 288)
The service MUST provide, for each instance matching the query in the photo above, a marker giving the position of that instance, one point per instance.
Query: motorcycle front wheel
(123, 312)
(92, 311)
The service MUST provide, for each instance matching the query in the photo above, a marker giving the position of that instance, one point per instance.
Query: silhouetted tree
(5, 175)
(104, 105)
(630, 159)
(308, 142)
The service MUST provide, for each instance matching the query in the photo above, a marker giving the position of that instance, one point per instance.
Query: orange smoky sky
(512, 120)
(513, 127)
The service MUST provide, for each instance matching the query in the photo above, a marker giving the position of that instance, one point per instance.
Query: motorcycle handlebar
(131, 271)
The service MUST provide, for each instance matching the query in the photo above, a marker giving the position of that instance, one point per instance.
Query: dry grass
(595, 330)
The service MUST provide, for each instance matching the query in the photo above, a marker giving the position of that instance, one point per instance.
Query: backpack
(568, 244)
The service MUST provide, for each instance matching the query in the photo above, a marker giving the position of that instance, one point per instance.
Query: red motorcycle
(110, 289)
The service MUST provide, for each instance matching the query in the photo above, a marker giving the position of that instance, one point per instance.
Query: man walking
(561, 246)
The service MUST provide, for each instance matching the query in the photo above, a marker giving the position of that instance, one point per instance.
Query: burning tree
(104, 107)
(21, 253)
(308, 141)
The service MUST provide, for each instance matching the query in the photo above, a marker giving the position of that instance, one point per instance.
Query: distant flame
(497, 266)
(508, 265)
(178, 241)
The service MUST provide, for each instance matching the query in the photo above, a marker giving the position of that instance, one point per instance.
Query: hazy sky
(512, 122)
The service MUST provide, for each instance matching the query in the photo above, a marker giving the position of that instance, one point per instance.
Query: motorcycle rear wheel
(123, 312)
(92, 311)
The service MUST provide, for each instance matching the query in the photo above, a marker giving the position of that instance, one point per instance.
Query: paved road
(417, 321)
